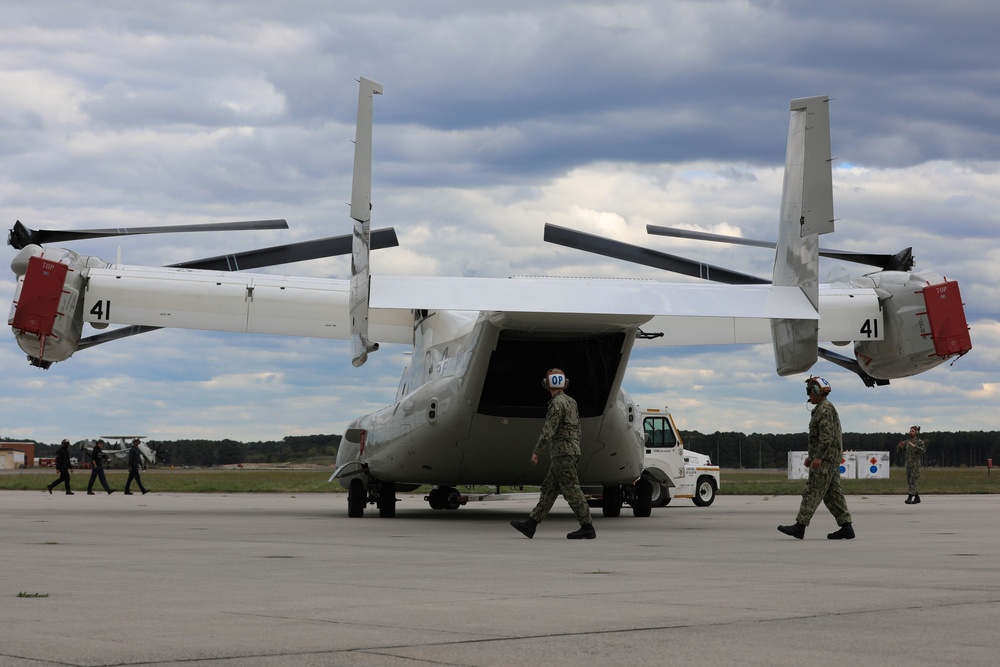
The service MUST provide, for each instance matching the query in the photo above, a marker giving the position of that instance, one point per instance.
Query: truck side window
(658, 432)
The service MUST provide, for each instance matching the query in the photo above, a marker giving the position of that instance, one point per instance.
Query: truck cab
(669, 471)
(673, 471)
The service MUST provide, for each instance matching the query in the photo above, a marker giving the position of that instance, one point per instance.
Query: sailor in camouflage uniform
(914, 448)
(826, 451)
(561, 435)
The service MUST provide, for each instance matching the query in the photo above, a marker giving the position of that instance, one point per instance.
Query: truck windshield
(658, 432)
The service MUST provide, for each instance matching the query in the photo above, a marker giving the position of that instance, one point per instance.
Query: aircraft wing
(719, 307)
(588, 296)
(229, 301)
(685, 313)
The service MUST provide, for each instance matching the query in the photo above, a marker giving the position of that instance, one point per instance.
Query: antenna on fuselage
(361, 205)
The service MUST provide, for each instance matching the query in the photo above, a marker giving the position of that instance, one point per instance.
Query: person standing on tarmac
(826, 450)
(914, 448)
(134, 462)
(63, 465)
(97, 472)
(561, 435)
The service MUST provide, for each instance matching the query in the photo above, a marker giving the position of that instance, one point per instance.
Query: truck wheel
(356, 498)
(643, 506)
(613, 498)
(704, 492)
(660, 496)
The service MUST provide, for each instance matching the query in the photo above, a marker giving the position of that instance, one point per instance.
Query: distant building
(14, 455)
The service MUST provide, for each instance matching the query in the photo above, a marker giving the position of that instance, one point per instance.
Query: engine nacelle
(46, 314)
(924, 322)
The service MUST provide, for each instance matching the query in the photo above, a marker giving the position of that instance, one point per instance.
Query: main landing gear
(638, 495)
(382, 494)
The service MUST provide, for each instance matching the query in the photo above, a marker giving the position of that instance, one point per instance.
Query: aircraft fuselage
(471, 404)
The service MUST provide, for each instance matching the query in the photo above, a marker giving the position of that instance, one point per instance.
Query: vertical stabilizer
(806, 212)
(361, 204)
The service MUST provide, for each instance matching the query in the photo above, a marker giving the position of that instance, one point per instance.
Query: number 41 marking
(870, 328)
(101, 311)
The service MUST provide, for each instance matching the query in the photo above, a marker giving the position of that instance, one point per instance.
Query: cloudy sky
(497, 117)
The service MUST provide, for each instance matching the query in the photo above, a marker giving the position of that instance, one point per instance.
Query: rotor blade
(658, 260)
(901, 261)
(20, 236)
(292, 252)
(705, 236)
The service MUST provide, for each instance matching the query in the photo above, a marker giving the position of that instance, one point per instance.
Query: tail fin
(361, 204)
(806, 212)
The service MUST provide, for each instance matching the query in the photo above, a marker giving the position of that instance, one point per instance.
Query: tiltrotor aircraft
(469, 407)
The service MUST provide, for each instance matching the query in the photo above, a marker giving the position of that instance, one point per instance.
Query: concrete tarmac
(274, 580)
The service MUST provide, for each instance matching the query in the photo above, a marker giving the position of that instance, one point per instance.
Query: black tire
(357, 498)
(643, 506)
(613, 499)
(387, 499)
(451, 498)
(704, 492)
(661, 496)
(436, 499)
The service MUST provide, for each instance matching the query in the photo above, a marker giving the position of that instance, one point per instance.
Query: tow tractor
(669, 471)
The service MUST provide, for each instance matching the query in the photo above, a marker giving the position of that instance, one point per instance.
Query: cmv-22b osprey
(468, 408)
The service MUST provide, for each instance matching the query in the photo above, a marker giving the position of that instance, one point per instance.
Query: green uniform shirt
(915, 448)
(825, 437)
(561, 432)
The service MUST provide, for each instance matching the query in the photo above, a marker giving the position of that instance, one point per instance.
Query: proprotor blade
(901, 261)
(292, 252)
(658, 260)
(20, 236)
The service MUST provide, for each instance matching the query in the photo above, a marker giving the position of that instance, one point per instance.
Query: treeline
(727, 449)
(757, 450)
(230, 452)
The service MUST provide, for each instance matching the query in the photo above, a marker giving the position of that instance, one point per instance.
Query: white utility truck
(669, 471)
(674, 471)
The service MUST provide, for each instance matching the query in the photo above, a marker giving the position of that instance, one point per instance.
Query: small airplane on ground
(469, 407)
(116, 448)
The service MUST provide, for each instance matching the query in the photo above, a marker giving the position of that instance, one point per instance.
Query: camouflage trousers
(562, 478)
(912, 475)
(823, 486)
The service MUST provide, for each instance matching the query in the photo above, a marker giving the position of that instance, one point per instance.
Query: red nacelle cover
(946, 315)
(38, 303)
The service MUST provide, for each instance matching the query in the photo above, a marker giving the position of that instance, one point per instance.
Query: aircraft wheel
(387, 499)
(451, 501)
(436, 499)
(660, 496)
(613, 499)
(704, 492)
(643, 498)
(356, 498)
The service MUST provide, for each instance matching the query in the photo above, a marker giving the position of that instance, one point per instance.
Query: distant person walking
(914, 448)
(826, 449)
(561, 435)
(63, 465)
(97, 456)
(134, 463)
